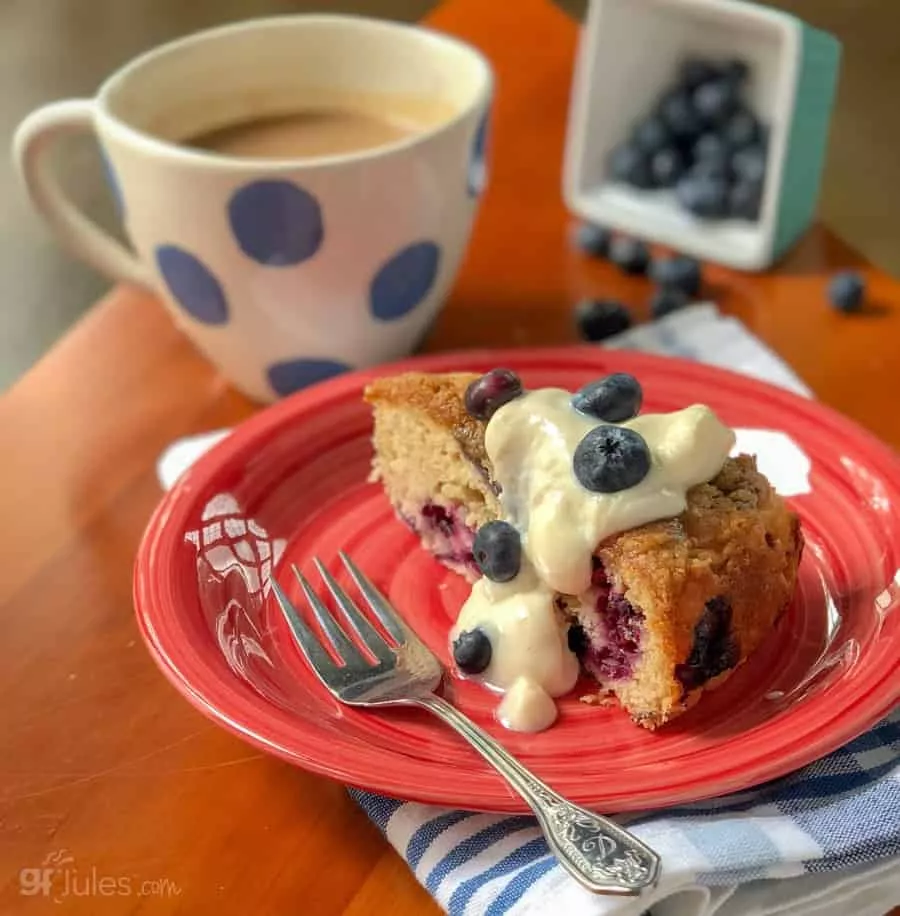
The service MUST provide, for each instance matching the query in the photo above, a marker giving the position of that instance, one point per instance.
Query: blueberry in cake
(629, 546)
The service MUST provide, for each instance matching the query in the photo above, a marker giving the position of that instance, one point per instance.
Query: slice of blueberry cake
(628, 545)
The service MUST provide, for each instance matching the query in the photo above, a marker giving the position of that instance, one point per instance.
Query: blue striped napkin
(836, 822)
(830, 832)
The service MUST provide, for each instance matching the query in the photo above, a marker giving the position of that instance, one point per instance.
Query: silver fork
(598, 853)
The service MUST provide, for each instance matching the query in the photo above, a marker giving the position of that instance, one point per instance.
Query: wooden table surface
(99, 757)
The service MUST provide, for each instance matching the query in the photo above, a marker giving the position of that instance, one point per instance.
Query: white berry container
(629, 55)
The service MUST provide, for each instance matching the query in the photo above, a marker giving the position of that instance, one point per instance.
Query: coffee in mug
(316, 132)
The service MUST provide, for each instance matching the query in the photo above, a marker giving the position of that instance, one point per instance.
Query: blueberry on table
(846, 291)
(741, 129)
(487, 394)
(679, 272)
(498, 551)
(750, 163)
(715, 101)
(630, 255)
(610, 459)
(704, 195)
(593, 240)
(745, 199)
(615, 399)
(667, 166)
(651, 135)
(667, 299)
(695, 71)
(679, 115)
(631, 166)
(598, 319)
(472, 651)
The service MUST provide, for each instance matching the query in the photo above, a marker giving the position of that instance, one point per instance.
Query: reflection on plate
(291, 483)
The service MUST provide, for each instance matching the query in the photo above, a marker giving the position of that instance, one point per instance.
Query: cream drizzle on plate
(531, 442)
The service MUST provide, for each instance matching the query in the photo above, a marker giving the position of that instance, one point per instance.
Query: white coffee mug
(283, 272)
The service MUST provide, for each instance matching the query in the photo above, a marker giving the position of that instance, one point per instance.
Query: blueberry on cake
(629, 546)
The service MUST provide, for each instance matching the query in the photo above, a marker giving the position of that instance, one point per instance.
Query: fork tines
(342, 644)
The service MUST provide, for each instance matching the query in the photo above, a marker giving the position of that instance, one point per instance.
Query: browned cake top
(715, 513)
(441, 399)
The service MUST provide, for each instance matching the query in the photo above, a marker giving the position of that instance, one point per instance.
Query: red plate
(291, 483)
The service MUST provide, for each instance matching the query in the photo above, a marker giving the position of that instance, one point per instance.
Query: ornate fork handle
(596, 852)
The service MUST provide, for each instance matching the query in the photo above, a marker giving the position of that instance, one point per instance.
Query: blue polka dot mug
(283, 271)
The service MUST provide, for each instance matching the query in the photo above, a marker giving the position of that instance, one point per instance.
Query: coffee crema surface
(310, 133)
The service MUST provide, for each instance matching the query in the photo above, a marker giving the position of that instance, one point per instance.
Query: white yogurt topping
(526, 707)
(529, 653)
(531, 442)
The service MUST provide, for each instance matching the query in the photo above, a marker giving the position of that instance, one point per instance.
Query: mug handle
(82, 236)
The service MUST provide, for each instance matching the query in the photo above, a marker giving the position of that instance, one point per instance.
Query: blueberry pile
(703, 141)
(611, 458)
